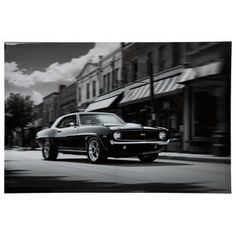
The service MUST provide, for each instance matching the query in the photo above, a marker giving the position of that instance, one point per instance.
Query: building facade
(67, 98)
(87, 85)
(207, 98)
(96, 82)
(190, 84)
(164, 62)
(50, 109)
(191, 92)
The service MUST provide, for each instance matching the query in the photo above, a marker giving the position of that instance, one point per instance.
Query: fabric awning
(101, 104)
(161, 87)
(190, 74)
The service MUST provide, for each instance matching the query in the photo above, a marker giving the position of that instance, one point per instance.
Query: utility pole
(150, 69)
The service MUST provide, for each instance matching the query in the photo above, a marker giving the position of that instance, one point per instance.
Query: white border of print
(116, 214)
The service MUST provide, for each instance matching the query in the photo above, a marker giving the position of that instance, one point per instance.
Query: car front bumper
(140, 142)
(135, 148)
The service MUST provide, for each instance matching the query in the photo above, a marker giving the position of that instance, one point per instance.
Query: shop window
(204, 114)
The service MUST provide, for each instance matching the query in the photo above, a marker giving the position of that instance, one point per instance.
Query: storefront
(206, 109)
(168, 102)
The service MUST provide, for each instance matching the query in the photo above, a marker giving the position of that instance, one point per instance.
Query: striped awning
(101, 104)
(161, 88)
(209, 69)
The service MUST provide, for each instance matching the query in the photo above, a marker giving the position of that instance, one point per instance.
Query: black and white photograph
(117, 117)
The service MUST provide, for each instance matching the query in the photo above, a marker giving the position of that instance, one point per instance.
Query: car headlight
(116, 135)
(162, 135)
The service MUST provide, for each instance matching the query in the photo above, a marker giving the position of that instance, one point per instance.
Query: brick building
(67, 99)
(100, 82)
(50, 109)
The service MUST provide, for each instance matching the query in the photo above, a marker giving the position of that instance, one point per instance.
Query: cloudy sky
(36, 69)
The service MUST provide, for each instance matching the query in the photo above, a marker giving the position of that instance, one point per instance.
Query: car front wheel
(49, 152)
(148, 158)
(95, 151)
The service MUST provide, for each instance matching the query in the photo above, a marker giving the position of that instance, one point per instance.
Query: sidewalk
(194, 157)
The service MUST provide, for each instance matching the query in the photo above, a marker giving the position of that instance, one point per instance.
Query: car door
(66, 133)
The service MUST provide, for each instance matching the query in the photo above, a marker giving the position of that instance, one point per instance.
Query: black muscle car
(100, 135)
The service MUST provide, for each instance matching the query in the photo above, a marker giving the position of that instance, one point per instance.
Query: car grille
(139, 135)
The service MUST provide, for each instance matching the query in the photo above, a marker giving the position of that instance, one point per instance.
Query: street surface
(27, 172)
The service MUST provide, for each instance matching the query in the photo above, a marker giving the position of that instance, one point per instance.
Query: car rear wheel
(148, 158)
(95, 151)
(49, 151)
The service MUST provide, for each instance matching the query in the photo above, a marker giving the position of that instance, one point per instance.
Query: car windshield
(89, 119)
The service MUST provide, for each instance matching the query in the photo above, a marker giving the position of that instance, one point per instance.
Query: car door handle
(58, 131)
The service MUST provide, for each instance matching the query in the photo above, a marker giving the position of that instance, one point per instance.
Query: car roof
(86, 113)
(77, 113)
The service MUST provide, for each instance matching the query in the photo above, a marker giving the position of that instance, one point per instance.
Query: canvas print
(117, 117)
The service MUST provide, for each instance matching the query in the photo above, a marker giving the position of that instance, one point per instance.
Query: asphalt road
(27, 172)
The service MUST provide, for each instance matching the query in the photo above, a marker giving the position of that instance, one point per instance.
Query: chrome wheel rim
(94, 150)
(46, 150)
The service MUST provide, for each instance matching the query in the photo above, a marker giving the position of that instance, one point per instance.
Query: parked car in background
(101, 135)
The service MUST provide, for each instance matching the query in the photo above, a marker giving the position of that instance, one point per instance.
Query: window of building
(134, 70)
(162, 58)
(176, 54)
(79, 94)
(94, 88)
(104, 83)
(116, 78)
(108, 82)
(149, 63)
(124, 74)
(88, 91)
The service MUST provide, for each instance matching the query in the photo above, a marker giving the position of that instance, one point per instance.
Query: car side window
(66, 122)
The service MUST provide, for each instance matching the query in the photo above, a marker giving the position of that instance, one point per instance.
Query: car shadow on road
(125, 163)
(16, 183)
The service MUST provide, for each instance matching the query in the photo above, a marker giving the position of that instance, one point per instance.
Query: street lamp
(150, 71)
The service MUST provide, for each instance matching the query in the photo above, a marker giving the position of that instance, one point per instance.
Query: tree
(18, 113)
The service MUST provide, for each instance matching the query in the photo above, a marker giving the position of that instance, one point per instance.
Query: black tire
(95, 151)
(148, 158)
(49, 151)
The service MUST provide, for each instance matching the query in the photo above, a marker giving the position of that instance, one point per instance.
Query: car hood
(126, 126)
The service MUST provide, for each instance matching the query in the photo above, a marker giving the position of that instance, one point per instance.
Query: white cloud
(56, 72)
(16, 76)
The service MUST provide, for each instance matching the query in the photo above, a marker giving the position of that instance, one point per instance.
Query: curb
(206, 158)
